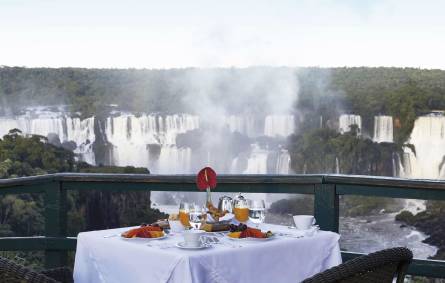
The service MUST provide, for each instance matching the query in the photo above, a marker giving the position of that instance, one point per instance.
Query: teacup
(304, 222)
(192, 238)
(176, 226)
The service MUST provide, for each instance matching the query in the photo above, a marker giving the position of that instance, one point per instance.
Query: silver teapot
(225, 203)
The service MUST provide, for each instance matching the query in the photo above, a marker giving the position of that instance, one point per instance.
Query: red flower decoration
(206, 179)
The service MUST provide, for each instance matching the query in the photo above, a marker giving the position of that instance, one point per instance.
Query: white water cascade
(383, 129)
(279, 125)
(428, 139)
(347, 120)
(242, 124)
(283, 162)
(131, 137)
(80, 131)
(257, 161)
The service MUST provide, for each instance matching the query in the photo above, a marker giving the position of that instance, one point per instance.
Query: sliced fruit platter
(146, 232)
(243, 232)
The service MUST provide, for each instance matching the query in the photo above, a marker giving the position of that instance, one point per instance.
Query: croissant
(215, 212)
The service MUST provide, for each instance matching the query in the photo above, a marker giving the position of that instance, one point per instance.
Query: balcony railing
(325, 188)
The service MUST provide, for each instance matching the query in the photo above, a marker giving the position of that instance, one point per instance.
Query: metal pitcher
(225, 203)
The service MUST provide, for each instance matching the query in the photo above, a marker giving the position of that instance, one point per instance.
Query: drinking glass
(197, 215)
(241, 209)
(184, 210)
(257, 211)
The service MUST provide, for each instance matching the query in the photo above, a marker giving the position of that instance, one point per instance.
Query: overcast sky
(183, 33)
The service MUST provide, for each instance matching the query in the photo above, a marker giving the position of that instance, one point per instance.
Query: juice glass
(241, 209)
(184, 210)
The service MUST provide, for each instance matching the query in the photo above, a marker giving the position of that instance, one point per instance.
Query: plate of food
(144, 233)
(242, 232)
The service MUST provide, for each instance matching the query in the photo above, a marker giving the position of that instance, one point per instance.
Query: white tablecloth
(282, 259)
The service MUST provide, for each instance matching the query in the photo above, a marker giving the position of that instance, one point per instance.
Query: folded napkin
(227, 217)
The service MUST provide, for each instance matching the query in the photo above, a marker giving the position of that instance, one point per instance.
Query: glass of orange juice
(184, 211)
(241, 209)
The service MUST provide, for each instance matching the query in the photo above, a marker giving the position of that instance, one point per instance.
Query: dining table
(291, 255)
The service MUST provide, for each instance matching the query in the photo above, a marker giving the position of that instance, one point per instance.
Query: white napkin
(227, 217)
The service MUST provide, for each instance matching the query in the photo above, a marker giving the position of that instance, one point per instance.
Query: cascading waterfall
(149, 140)
(131, 136)
(279, 125)
(347, 120)
(428, 139)
(173, 160)
(245, 125)
(283, 162)
(80, 131)
(383, 129)
(257, 162)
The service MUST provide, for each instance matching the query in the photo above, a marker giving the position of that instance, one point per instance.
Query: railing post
(326, 207)
(55, 222)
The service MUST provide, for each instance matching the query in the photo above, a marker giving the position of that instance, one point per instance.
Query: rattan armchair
(381, 266)
(13, 272)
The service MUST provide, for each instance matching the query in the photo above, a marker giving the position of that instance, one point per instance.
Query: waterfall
(337, 166)
(279, 125)
(174, 160)
(66, 128)
(383, 129)
(257, 161)
(428, 139)
(131, 136)
(347, 120)
(149, 139)
(245, 125)
(283, 162)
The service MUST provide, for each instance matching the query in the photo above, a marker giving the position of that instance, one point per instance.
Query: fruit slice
(234, 234)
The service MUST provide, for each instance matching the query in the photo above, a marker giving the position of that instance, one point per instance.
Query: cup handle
(314, 221)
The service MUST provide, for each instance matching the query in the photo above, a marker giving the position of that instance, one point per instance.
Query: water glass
(197, 215)
(257, 211)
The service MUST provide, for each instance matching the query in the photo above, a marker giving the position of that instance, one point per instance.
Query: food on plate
(173, 217)
(216, 226)
(242, 231)
(147, 231)
(234, 234)
(215, 212)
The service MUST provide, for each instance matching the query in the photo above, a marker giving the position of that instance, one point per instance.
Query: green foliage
(22, 215)
(315, 151)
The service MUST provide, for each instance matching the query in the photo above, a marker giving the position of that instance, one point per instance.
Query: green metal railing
(325, 188)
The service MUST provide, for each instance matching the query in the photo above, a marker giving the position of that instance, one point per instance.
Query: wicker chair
(381, 266)
(16, 273)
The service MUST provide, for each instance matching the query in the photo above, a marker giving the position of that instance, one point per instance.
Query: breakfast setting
(227, 242)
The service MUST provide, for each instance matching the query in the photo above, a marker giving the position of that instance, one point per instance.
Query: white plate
(137, 239)
(250, 238)
(182, 246)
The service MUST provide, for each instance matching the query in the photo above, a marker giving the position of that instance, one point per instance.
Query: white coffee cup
(176, 226)
(192, 238)
(304, 222)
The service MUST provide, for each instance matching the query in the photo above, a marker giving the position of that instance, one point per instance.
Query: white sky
(211, 33)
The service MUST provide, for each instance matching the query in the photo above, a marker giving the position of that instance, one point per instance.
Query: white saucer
(182, 245)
